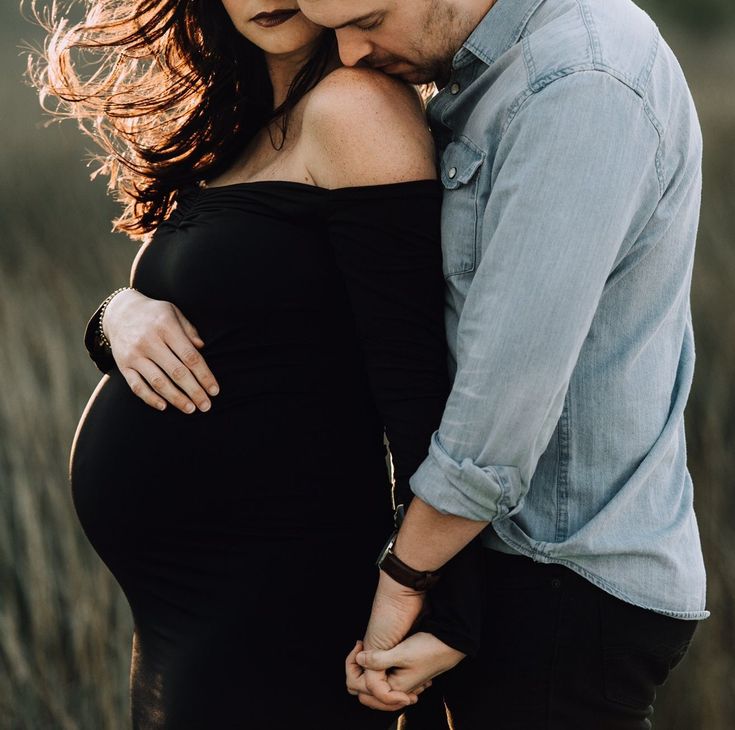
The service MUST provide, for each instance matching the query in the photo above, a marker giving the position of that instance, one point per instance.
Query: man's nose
(352, 46)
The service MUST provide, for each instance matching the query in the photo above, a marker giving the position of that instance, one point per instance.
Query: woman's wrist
(102, 335)
(95, 338)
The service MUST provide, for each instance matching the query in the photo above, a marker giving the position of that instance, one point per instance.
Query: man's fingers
(356, 685)
(378, 686)
(160, 382)
(409, 680)
(355, 676)
(373, 703)
(379, 659)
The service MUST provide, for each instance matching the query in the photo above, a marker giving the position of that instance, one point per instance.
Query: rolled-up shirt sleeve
(566, 204)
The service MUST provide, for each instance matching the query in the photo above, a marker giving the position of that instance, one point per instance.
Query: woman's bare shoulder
(362, 127)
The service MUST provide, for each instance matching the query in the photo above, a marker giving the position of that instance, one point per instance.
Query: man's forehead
(339, 13)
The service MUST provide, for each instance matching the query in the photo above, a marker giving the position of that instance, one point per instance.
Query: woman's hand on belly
(156, 350)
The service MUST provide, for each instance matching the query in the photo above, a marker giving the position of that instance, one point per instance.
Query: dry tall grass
(64, 625)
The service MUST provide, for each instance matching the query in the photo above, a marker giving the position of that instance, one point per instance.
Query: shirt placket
(446, 101)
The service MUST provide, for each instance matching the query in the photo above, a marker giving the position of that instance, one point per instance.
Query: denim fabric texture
(570, 154)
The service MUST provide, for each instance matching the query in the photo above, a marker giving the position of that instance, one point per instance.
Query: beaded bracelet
(100, 332)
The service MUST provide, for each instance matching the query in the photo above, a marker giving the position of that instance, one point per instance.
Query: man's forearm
(428, 539)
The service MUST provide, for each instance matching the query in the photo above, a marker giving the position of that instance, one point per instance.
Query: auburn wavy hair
(169, 89)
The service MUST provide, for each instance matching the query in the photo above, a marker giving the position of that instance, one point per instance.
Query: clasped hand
(387, 671)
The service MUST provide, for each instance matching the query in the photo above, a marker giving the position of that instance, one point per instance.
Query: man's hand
(409, 667)
(395, 699)
(396, 609)
(413, 663)
(156, 350)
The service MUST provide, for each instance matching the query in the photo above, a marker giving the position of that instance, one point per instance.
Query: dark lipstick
(275, 17)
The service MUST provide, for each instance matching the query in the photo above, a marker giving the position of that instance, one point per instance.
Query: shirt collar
(499, 29)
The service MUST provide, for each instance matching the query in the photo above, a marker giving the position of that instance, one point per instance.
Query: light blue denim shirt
(570, 154)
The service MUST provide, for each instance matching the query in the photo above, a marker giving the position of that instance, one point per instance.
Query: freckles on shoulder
(363, 127)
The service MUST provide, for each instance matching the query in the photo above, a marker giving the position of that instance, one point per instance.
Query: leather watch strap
(405, 575)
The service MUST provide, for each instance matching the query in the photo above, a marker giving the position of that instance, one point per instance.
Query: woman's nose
(352, 47)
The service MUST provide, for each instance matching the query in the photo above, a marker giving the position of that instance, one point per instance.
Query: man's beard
(420, 71)
(441, 26)
(428, 73)
(446, 28)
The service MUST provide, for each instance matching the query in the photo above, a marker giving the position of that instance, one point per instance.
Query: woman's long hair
(174, 95)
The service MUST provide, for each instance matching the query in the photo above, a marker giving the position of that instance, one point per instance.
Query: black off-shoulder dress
(245, 538)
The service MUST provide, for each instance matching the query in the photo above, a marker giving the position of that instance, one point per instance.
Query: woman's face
(275, 26)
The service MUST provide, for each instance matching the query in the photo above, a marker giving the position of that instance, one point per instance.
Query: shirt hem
(541, 557)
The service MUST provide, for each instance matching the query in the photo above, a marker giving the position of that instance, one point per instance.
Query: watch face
(388, 545)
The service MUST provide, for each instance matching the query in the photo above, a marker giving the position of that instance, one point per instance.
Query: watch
(390, 563)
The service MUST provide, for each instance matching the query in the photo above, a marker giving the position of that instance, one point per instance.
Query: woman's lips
(276, 17)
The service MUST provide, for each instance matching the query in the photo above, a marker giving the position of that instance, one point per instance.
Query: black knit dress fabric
(245, 538)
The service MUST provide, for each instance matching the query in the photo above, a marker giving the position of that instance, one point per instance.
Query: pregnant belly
(256, 465)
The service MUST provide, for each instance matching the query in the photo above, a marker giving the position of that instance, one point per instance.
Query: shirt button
(452, 173)
(454, 88)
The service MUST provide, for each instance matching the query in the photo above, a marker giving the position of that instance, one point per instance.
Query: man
(570, 156)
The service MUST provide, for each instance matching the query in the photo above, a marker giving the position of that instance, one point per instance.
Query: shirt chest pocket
(459, 171)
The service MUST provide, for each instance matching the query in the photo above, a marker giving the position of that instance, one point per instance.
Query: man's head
(413, 39)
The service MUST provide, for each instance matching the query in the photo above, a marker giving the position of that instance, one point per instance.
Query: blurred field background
(65, 627)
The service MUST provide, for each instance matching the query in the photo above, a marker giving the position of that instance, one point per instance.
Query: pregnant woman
(289, 208)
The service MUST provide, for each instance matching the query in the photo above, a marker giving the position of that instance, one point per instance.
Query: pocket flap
(459, 162)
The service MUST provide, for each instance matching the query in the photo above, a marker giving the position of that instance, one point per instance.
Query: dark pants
(558, 653)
